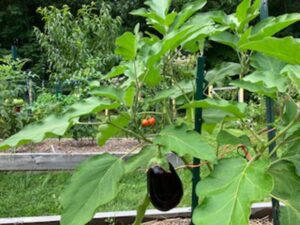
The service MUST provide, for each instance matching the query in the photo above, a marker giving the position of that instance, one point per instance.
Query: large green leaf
(109, 92)
(170, 42)
(224, 138)
(112, 128)
(128, 96)
(140, 159)
(293, 73)
(225, 38)
(180, 89)
(54, 126)
(292, 155)
(195, 41)
(272, 25)
(221, 71)
(227, 194)
(258, 87)
(160, 7)
(246, 12)
(242, 10)
(115, 71)
(267, 70)
(157, 15)
(187, 12)
(126, 46)
(286, 49)
(93, 184)
(184, 142)
(290, 111)
(153, 19)
(237, 109)
(287, 190)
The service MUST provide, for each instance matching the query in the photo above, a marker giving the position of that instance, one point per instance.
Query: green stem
(136, 97)
(282, 132)
(141, 211)
(139, 137)
(252, 132)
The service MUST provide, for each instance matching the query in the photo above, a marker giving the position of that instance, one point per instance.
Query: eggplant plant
(144, 84)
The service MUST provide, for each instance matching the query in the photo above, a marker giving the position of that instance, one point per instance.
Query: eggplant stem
(141, 211)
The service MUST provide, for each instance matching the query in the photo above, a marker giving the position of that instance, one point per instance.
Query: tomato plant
(144, 83)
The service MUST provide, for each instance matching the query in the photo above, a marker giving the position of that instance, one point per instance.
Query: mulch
(78, 146)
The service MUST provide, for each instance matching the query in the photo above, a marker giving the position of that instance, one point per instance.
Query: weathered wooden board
(43, 161)
(53, 161)
(127, 217)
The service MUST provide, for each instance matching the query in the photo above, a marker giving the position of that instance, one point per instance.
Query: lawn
(36, 194)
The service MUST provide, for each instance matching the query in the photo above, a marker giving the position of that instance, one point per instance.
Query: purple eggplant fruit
(164, 187)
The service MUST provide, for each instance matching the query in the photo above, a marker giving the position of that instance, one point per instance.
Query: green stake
(264, 13)
(198, 122)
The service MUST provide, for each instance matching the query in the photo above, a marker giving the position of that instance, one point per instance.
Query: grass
(37, 194)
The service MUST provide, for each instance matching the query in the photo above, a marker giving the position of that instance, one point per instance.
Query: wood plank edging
(258, 210)
(55, 161)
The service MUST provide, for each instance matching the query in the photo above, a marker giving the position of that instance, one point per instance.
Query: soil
(78, 146)
(178, 221)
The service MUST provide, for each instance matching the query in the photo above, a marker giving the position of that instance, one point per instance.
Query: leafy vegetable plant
(143, 85)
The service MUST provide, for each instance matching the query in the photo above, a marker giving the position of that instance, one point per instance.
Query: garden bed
(77, 146)
(66, 154)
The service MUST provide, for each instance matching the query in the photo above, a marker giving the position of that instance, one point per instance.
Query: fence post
(198, 123)
(264, 13)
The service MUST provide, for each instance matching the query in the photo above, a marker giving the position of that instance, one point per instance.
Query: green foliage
(78, 47)
(47, 103)
(182, 141)
(227, 194)
(56, 125)
(287, 190)
(98, 186)
(147, 84)
(13, 86)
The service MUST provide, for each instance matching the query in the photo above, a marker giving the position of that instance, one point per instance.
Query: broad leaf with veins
(227, 194)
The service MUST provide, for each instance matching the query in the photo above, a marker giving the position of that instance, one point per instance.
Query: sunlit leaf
(292, 154)
(228, 193)
(287, 190)
(272, 25)
(93, 184)
(187, 12)
(286, 49)
(237, 109)
(224, 138)
(126, 46)
(225, 38)
(267, 70)
(184, 142)
(258, 87)
(53, 126)
(115, 71)
(112, 128)
(138, 160)
(293, 73)
(221, 71)
(109, 92)
(128, 96)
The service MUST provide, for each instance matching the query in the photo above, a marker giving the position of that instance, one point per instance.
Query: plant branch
(140, 137)
(282, 132)
(252, 132)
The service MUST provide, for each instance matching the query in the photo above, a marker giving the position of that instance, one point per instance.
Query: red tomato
(151, 121)
(145, 123)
